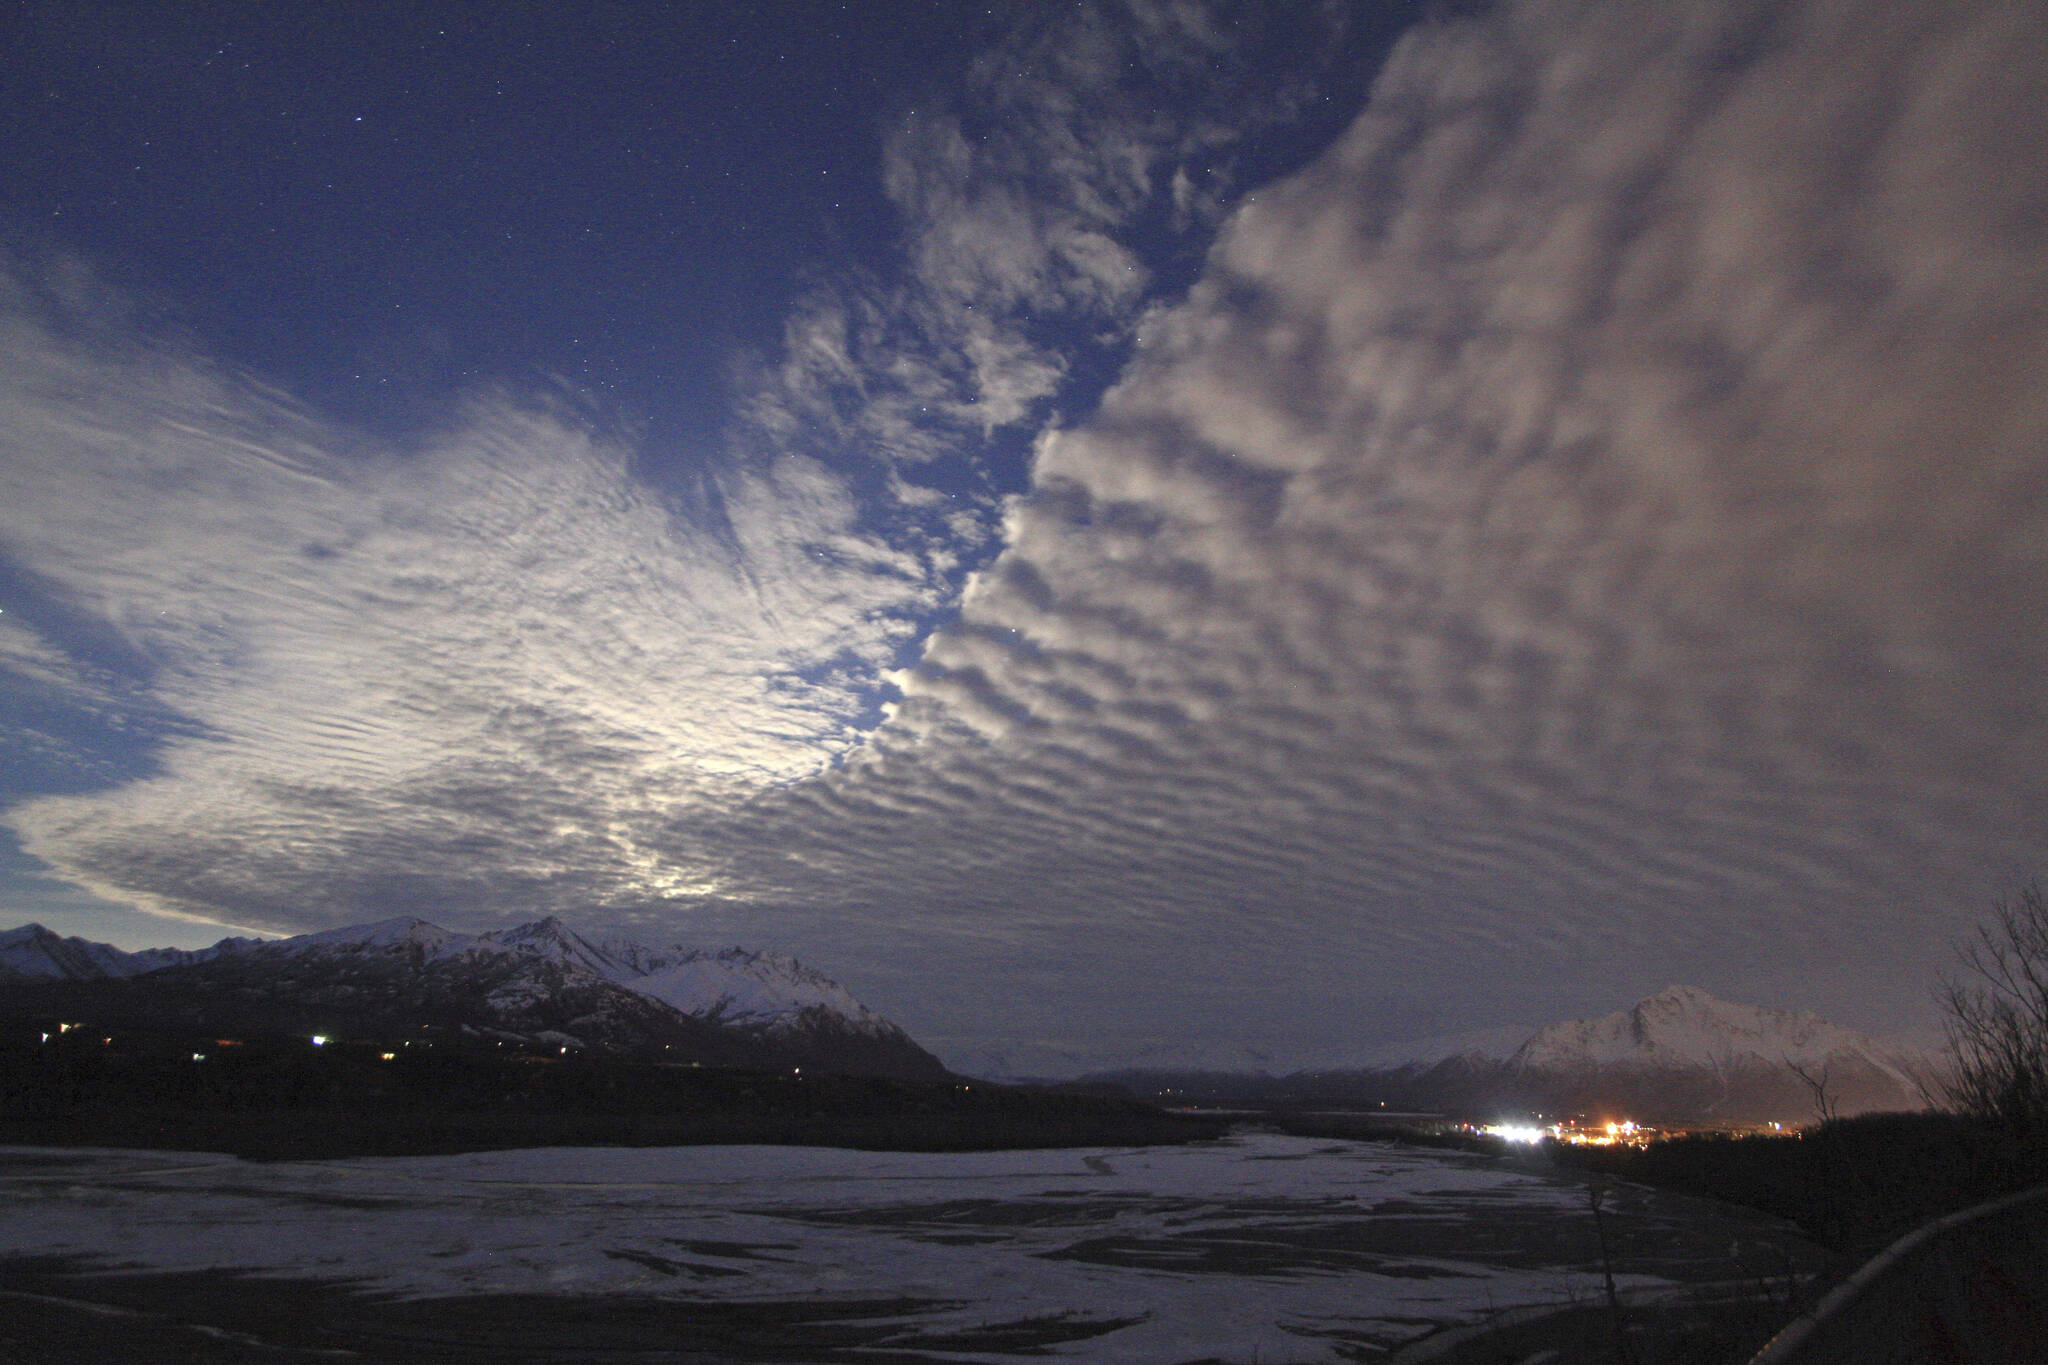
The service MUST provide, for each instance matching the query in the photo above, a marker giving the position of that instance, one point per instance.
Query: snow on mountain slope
(150, 959)
(551, 939)
(541, 980)
(401, 932)
(1680, 1056)
(36, 952)
(732, 987)
(737, 987)
(1684, 1027)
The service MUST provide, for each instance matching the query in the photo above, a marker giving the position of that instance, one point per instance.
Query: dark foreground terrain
(57, 1313)
(1851, 1186)
(1254, 1247)
(286, 1098)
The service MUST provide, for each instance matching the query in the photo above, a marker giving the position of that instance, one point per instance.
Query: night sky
(1091, 523)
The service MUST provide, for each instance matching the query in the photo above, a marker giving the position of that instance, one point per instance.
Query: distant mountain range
(539, 983)
(1680, 1055)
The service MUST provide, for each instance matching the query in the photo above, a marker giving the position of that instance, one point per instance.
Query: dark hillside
(1853, 1184)
(281, 1097)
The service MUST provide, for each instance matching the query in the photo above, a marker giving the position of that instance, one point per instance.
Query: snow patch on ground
(1254, 1247)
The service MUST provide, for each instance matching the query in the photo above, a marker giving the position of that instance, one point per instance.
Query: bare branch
(1997, 1016)
(1823, 1100)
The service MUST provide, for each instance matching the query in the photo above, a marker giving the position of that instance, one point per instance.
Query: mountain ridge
(537, 982)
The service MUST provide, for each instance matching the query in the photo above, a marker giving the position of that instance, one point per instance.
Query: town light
(1513, 1132)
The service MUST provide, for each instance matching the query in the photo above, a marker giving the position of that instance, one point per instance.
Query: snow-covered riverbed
(1258, 1247)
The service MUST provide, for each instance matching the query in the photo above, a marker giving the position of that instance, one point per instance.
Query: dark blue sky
(381, 204)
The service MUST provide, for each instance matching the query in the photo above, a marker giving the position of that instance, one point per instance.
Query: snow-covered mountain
(536, 981)
(1684, 1050)
(1684, 1027)
(733, 986)
(33, 951)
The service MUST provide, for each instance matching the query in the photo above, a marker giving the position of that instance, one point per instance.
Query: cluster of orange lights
(1602, 1135)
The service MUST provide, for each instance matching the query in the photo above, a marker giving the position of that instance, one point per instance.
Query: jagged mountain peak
(766, 988)
(552, 939)
(397, 932)
(731, 986)
(537, 934)
(34, 951)
(28, 935)
(39, 953)
(734, 985)
(1687, 1026)
(548, 929)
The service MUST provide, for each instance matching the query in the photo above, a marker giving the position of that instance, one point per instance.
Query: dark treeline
(284, 1097)
(1853, 1184)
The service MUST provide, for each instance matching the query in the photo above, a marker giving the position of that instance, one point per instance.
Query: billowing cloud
(1588, 529)
(1021, 202)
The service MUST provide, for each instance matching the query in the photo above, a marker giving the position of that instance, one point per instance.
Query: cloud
(1589, 527)
(479, 674)
(32, 668)
(1022, 202)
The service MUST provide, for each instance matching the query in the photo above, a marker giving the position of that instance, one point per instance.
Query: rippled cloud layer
(1587, 530)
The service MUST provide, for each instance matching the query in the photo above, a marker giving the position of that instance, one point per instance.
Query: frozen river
(1253, 1248)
